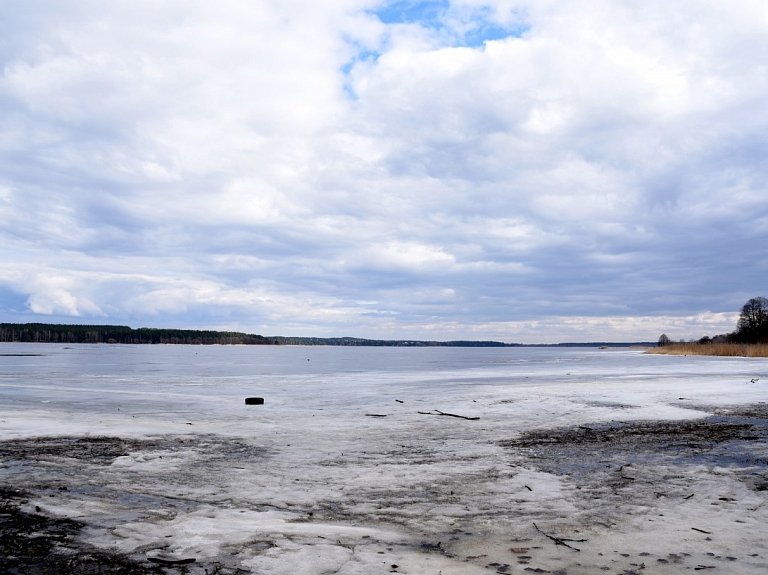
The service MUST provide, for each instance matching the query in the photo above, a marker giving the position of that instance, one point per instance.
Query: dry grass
(725, 349)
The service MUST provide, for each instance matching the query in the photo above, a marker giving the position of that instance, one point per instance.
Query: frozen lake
(349, 468)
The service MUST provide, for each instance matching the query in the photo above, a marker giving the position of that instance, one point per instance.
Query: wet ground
(115, 505)
(733, 438)
(41, 472)
(35, 544)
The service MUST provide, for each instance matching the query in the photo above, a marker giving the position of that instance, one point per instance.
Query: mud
(33, 544)
(733, 438)
(32, 541)
(104, 450)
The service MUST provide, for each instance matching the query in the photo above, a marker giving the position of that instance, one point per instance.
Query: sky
(517, 170)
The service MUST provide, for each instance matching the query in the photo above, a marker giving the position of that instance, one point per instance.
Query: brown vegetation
(725, 349)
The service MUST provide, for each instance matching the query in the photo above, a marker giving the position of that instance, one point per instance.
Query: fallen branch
(438, 412)
(573, 540)
(701, 531)
(163, 561)
(375, 415)
(454, 415)
(558, 540)
(691, 495)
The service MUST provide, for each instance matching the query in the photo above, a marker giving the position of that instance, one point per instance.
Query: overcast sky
(519, 170)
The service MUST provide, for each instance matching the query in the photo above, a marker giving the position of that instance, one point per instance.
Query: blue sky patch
(346, 69)
(489, 32)
(471, 28)
(427, 13)
(362, 56)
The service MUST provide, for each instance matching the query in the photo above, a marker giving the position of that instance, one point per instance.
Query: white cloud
(274, 164)
(407, 255)
(52, 295)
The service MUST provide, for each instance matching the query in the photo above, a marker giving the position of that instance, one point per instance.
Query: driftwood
(375, 415)
(560, 541)
(691, 495)
(438, 412)
(163, 561)
(701, 531)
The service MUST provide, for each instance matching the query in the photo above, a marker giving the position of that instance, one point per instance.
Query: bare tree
(753, 320)
(664, 340)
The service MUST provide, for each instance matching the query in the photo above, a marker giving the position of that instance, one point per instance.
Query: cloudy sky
(520, 170)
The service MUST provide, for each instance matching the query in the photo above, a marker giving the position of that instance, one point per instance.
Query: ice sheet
(311, 482)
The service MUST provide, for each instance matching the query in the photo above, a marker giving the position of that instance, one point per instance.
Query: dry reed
(724, 349)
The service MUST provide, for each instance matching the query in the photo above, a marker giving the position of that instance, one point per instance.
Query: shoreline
(621, 496)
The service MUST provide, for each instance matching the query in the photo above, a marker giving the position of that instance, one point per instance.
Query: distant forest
(55, 333)
(358, 342)
(64, 333)
(58, 333)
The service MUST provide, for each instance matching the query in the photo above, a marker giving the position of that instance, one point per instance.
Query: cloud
(474, 168)
(52, 294)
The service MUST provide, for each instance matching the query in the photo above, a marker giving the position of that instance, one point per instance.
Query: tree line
(751, 327)
(57, 333)
(361, 342)
(62, 333)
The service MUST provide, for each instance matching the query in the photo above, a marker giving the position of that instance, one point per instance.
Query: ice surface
(311, 483)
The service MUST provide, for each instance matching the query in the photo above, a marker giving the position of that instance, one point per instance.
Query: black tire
(254, 401)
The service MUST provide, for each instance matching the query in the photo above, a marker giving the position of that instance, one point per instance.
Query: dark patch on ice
(34, 544)
(732, 438)
(621, 468)
(98, 450)
(103, 450)
(609, 404)
(81, 469)
(38, 544)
